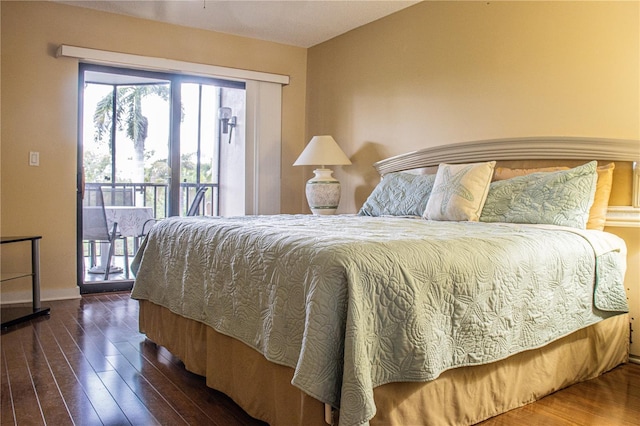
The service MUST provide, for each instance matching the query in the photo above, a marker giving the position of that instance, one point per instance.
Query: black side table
(11, 316)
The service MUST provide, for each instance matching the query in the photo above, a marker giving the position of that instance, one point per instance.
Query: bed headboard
(535, 152)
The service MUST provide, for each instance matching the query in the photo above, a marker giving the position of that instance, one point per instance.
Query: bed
(447, 304)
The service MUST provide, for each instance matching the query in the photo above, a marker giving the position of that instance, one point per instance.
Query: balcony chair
(96, 229)
(194, 210)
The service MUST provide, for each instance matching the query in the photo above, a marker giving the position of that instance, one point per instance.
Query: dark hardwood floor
(87, 364)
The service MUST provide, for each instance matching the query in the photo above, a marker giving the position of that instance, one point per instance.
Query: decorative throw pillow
(399, 194)
(459, 191)
(556, 198)
(598, 211)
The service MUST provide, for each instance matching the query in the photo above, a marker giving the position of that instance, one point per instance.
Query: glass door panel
(125, 164)
(198, 141)
(199, 146)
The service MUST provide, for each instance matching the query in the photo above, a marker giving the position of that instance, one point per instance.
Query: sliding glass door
(147, 143)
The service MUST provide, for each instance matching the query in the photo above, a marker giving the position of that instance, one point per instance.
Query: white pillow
(459, 191)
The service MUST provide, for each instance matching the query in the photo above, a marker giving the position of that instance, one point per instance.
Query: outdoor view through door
(150, 147)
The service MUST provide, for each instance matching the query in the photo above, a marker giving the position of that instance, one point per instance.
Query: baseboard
(634, 359)
(12, 297)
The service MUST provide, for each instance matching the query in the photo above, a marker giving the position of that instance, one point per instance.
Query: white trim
(634, 359)
(549, 148)
(623, 217)
(11, 297)
(152, 63)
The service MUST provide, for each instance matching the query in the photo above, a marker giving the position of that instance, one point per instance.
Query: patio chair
(194, 210)
(95, 229)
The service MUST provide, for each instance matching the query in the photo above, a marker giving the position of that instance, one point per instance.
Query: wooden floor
(87, 364)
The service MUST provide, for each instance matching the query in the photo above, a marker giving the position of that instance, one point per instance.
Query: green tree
(128, 116)
(96, 166)
(188, 169)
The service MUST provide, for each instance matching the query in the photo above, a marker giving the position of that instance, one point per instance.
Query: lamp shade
(324, 151)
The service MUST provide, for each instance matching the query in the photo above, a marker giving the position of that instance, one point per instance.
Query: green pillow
(556, 198)
(399, 194)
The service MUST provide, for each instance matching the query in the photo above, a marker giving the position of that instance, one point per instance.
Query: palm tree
(128, 116)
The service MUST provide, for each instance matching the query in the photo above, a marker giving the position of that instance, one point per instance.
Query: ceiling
(302, 23)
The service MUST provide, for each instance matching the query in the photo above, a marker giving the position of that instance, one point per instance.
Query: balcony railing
(156, 196)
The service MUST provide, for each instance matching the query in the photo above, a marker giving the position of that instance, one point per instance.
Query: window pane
(208, 135)
(189, 132)
(97, 146)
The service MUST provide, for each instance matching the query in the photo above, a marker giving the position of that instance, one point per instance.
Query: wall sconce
(226, 117)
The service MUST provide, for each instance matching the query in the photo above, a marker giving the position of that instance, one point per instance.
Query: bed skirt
(460, 396)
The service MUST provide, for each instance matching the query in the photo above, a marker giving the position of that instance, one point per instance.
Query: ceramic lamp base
(323, 192)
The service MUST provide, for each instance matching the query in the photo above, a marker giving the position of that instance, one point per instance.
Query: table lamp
(322, 190)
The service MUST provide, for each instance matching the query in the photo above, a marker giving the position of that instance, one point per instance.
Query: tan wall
(39, 113)
(444, 72)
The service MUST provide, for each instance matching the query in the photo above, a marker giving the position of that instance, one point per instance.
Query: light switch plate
(34, 158)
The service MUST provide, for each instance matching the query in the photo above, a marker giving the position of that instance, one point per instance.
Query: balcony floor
(120, 275)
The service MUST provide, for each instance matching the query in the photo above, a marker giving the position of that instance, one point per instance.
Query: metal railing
(156, 196)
